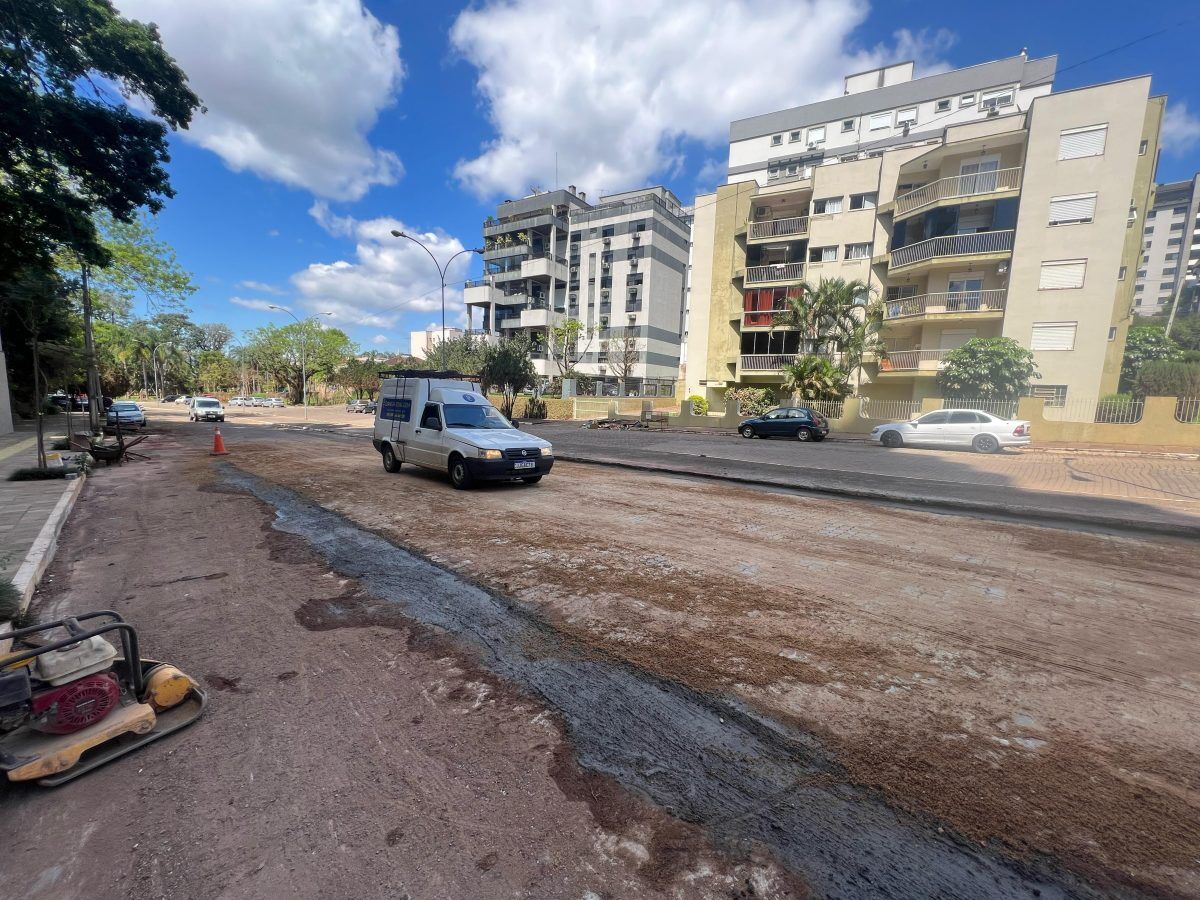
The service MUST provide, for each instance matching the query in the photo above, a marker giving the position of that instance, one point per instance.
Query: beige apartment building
(975, 202)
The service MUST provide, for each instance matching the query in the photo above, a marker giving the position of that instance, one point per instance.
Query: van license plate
(525, 464)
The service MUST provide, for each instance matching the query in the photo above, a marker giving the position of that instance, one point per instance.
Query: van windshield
(465, 415)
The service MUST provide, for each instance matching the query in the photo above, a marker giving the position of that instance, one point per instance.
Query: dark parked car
(798, 422)
(169, 398)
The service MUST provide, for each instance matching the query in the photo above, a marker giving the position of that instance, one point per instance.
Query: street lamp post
(303, 351)
(442, 275)
(1189, 274)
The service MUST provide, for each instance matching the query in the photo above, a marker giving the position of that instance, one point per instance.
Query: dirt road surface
(1031, 690)
(1027, 686)
(336, 758)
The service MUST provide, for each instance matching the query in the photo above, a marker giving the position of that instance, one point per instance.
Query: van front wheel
(460, 475)
(390, 463)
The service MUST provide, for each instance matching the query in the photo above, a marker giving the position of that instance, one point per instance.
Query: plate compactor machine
(71, 703)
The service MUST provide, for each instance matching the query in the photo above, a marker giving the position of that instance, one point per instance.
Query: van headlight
(490, 454)
(547, 451)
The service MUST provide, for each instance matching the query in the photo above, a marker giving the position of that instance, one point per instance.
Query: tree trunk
(95, 398)
(38, 400)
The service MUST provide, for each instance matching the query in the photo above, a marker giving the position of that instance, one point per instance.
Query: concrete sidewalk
(32, 513)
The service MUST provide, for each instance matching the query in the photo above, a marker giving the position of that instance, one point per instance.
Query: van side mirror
(515, 423)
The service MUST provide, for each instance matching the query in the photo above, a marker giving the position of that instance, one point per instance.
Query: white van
(447, 425)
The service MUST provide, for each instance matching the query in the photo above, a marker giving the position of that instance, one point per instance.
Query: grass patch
(33, 473)
(10, 601)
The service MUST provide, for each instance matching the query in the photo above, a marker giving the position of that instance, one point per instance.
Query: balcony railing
(911, 360)
(767, 362)
(954, 245)
(761, 318)
(947, 302)
(959, 186)
(779, 227)
(776, 272)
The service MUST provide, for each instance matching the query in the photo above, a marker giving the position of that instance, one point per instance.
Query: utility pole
(95, 400)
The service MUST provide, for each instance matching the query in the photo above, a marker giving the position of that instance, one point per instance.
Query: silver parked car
(276, 402)
(127, 413)
(981, 431)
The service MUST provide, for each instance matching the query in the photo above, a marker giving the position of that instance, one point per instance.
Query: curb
(935, 504)
(45, 545)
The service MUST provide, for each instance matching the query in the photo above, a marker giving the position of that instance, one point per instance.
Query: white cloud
(260, 305)
(388, 276)
(262, 287)
(1180, 129)
(641, 79)
(380, 339)
(293, 87)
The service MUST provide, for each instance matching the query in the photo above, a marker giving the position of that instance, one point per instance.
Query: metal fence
(1088, 409)
(1187, 410)
(830, 409)
(893, 410)
(1005, 409)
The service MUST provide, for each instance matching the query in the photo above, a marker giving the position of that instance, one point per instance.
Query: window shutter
(1053, 336)
(1077, 143)
(1062, 274)
(1077, 208)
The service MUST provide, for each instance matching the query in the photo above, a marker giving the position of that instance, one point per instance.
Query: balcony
(921, 361)
(761, 318)
(505, 252)
(540, 317)
(524, 223)
(953, 304)
(546, 266)
(776, 273)
(958, 187)
(777, 228)
(766, 362)
(954, 247)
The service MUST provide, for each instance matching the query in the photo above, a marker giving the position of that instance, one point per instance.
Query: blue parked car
(797, 422)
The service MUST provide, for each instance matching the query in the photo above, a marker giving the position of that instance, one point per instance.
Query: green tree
(815, 378)
(1143, 344)
(287, 352)
(216, 372)
(359, 377)
(1167, 378)
(567, 342)
(749, 401)
(825, 312)
(68, 148)
(214, 336)
(507, 368)
(1186, 332)
(987, 369)
(464, 354)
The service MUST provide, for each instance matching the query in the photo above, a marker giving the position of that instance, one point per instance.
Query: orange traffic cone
(218, 444)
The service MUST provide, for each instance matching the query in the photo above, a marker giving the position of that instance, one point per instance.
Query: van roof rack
(426, 373)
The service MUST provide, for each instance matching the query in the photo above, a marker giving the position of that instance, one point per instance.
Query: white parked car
(972, 428)
(239, 401)
(184, 399)
(274, 402)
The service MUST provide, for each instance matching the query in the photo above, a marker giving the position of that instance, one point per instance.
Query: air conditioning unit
(607, 242)
(812, 146)
(604, 292)
(572, 296)
(637, 236)
(633, 262)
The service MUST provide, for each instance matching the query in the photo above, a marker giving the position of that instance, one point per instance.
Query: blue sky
(331, 122)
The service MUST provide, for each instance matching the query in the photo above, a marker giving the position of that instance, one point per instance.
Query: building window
(966, 100)
(847, 126)
(793, 137)
(1177, 226)
(1112, 332)
(1121, 273)
(1138, 288)
(863, 201)
(1166, 285)
(1074, 209)
(823, 254)
(816, 135)
(880, 120)
(906, 117)
(1053, 336)
(1143, 147)
(1053, 394)
(858, 251)
(1179, 211)
(1171, 271)
(1077, 143)
(1175, 242)
(608, 231)
(1062, 274)
(776, 140)
(943, 106)
(996, 99)
(1174, 255)
(827, 205)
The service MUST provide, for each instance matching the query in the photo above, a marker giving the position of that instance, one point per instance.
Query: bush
(10, 601)
(33, 473)
(1167, 378)
(535, 408)
(749, 401)
(699, 405)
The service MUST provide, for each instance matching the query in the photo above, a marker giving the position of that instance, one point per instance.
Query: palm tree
(815, 378)
(838, 321)
(858, 336)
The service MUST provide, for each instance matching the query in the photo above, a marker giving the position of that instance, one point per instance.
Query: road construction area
(617, 683)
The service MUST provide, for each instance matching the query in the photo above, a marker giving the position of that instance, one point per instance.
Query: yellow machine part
(167, 687)
(57, 753)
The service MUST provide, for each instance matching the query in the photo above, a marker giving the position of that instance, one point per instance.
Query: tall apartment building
(618, 267)
(1171, 243)
(976, 202)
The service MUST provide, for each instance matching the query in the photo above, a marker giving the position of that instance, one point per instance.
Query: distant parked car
(169, 398)
(981, 431)
(184, 399)
(62, 401)
(239, 401)
(361, 406)
(126, 413)
(798, 422)
(206, 409)
(276, 402)
(257, 401)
